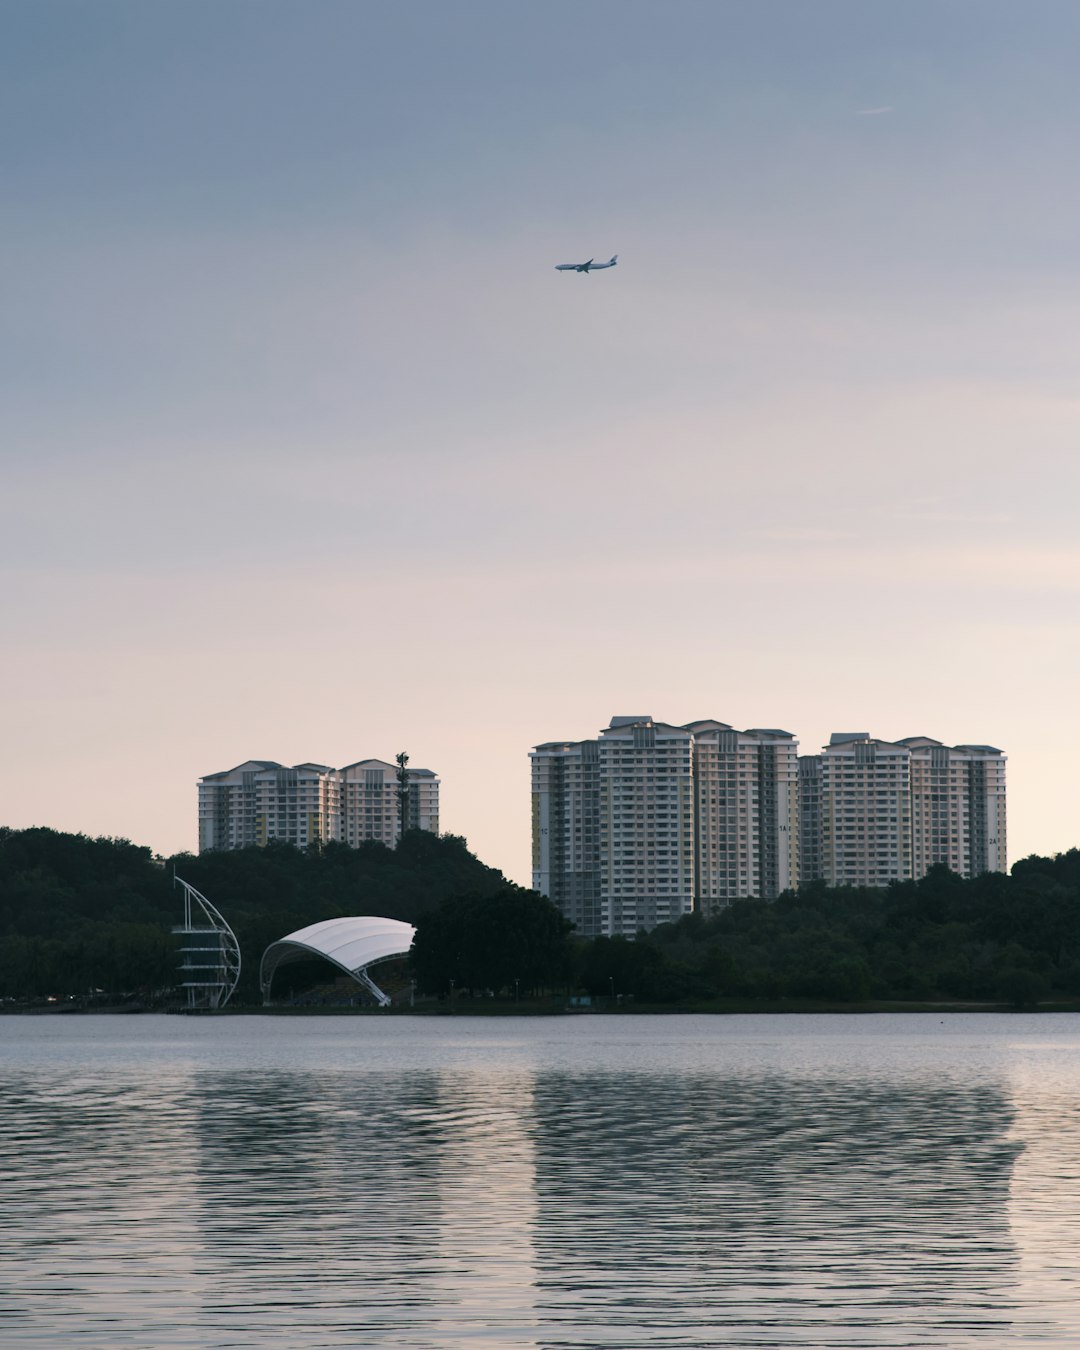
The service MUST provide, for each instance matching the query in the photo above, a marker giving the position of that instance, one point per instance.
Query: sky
(307, 452)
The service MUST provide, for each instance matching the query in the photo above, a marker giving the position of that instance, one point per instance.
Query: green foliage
(616, 967)
(265, 893)
(996, 938)
(78, 914)
(508, 942)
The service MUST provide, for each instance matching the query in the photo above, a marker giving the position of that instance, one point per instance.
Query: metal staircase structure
(210, 954)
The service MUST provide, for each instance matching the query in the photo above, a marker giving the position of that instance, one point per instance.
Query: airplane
(586, 267)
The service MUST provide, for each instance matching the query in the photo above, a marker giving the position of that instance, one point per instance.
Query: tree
(615, 965)
(79, 913)
(512, 939)
(402, 760)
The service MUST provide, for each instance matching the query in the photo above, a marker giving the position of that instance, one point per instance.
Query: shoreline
(557, 1008)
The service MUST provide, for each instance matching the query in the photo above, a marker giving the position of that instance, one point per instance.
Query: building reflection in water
(517, 1206)
(742, 1209)
(1044, 1212)
(616, 1208)
(318, 1202)
(396, 1206)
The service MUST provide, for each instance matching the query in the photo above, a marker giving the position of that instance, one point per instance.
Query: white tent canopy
(351, 944)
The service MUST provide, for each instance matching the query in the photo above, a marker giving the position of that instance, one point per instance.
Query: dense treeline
(1001, 939)
(79, 914)
(513, 941)
(1012, 939)
(265, 893)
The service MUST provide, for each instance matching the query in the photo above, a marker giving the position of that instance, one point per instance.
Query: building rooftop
(251, 764)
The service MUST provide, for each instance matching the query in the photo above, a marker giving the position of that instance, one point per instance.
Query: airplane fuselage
(586, 267)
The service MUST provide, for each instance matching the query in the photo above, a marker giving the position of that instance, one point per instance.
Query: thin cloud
(874, 112)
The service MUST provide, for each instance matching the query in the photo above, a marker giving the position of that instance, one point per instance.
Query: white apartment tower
(875, 811)
(371, 808)
(646, 824)
(865, 811)
(261, 800)
(650, 821)
(746, 804)
(957, 806)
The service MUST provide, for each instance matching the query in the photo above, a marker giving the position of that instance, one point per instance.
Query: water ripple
(626, 1183)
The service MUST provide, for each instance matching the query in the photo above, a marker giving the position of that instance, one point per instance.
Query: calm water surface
(565, 1182)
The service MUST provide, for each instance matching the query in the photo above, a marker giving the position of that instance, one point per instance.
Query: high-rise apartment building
(566, 830)
(262, 800)
(865, 811)
(647, 824)
(875, 811)
(746, 805)
(370, 806)
(811, 867)
(957, 806)
(650, 821)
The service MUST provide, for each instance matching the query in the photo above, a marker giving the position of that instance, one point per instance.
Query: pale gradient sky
(308, 453)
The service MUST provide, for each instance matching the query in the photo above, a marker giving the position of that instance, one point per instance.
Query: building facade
(873, 811)
(746, 809)
(865, 811)
(957, 807)
(262, 800)
(811, 867)
(566, 829)
(650, 821)
(646, 775)
(370, 805)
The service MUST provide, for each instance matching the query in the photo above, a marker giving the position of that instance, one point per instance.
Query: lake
(615, 1181)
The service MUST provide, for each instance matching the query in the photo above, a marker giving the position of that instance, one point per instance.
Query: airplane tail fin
(614, 259)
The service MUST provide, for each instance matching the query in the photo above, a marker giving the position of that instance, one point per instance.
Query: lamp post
(516, 982)
(611, 982)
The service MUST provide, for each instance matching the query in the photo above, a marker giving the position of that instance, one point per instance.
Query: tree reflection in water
(619, 1183)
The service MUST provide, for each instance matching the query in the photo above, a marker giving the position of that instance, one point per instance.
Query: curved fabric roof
(352, 944)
